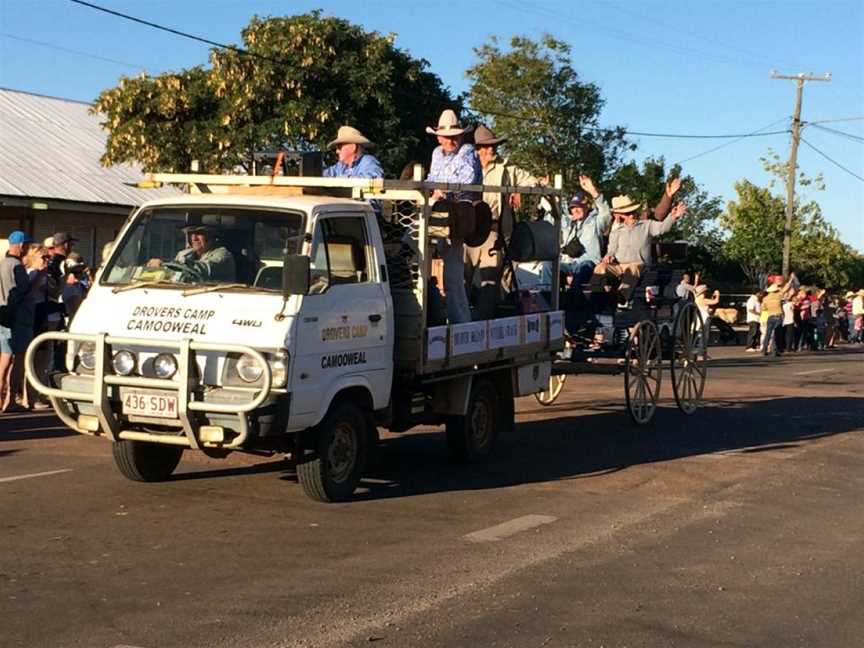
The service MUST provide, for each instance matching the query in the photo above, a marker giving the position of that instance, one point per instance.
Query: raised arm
(665, 203)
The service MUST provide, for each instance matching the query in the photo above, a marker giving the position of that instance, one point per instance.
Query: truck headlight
(249, 369)
(279, 369)
(124, 363)
(87, 355)
(164, 366)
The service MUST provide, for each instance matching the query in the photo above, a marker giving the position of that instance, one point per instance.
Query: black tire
(472, 437)
(146, 462)
(330, 468)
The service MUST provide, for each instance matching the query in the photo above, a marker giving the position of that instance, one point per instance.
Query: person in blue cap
(582, 234)
(16, 322)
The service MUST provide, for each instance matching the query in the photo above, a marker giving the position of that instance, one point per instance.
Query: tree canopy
(755, 224)
(295, 81)
(532, 94)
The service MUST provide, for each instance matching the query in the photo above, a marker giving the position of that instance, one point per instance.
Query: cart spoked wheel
(552, 391)
(689, 355)
(643, 372)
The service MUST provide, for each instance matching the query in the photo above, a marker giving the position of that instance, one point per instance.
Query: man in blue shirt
(354, 161)
(454, 161)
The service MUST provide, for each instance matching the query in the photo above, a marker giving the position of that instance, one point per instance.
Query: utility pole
(793, 157)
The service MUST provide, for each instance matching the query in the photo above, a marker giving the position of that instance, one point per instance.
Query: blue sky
(692, 67)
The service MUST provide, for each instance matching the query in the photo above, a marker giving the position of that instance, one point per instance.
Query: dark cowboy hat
(485, 137)
(482, 224)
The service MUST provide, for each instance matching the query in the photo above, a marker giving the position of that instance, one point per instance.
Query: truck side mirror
(295, 275)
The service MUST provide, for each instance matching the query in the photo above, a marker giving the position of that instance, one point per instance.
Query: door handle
(375, 317)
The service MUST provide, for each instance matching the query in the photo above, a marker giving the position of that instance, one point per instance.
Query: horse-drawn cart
(658, 328)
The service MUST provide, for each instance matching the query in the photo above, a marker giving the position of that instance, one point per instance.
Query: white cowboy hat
(349, 135)
(625, 204)
(448, 125)
(773, 288)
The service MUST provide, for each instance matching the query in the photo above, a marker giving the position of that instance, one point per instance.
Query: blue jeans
(581, 272)
(770, 330)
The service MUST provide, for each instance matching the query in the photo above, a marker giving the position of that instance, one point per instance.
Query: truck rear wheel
(470, 438)
(146, 462)
(331, 468)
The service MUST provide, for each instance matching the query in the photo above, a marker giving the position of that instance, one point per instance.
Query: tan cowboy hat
(625, 204)
(485, 137)
(848, 294)
(349, 135)
(773, 288)
(860, 293)
(448, 125)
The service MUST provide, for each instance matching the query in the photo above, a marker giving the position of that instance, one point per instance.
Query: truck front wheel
(470, 438)
(330, 468)
(146, 462)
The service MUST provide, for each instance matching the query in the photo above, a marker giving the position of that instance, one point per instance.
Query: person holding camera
(582, 233)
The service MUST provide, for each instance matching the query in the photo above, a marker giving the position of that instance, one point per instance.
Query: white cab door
(345, 324)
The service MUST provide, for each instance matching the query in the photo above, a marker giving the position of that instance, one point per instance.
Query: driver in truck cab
(205, 256)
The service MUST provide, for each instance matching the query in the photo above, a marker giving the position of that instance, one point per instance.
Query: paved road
(739, 526)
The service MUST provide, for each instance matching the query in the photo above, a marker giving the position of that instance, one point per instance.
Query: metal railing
(183, 382)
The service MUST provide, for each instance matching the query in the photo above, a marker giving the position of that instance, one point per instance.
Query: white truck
(306, 333)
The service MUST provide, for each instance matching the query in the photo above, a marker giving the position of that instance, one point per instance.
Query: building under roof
(50, 176)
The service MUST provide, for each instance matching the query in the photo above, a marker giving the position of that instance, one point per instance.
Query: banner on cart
(556, 325)
(468, 338)
(436, 343)
(503, 332)
(531, 327)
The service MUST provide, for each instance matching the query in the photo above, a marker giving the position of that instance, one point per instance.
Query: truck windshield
(206, 246)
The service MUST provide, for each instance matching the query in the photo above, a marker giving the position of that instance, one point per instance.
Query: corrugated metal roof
(50, 148)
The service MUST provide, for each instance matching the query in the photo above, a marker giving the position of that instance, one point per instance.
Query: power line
(829, 121)
(597, 129)
(71, 51)
(849, 136)
(176, 32)
(724, 144)
(239, 50)
(832, 161)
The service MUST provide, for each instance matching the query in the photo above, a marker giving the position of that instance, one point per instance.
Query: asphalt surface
(742, 525)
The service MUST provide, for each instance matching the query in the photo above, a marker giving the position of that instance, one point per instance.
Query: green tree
(755, 225)
(532, 94)
(298, 79)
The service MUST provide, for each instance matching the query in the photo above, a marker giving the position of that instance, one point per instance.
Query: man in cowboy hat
(497, 171)
(630, 245)
(453, 161)
(354, 161)
(206, 259)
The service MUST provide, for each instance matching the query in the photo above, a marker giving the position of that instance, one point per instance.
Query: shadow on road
(578, 447)
(28, 426)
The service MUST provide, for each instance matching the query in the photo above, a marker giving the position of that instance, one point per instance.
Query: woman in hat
(354, 161)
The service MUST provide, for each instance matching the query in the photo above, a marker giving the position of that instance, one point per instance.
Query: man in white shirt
(754, 307)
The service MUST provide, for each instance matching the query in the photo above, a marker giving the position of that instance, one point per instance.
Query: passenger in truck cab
(206, 258)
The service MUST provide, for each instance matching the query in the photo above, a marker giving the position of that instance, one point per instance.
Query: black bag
(534, 241)
(5, 316)
(574, 249)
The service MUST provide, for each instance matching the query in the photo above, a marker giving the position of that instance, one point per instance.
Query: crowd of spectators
(41, 288)
(787, 317)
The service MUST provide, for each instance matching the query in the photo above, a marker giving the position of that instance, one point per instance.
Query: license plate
(149, 403)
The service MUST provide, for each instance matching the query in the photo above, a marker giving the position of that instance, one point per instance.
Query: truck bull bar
(183, 382)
